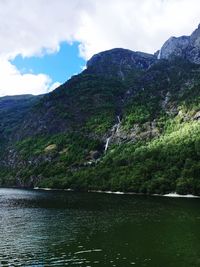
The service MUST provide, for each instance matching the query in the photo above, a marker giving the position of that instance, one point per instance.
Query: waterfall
(118, 118)
(107, 143)
(114, 130)
(118, 124)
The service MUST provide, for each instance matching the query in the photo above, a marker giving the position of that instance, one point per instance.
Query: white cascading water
(119, 120)
(107, 143)
(115, 129)
(118, 124)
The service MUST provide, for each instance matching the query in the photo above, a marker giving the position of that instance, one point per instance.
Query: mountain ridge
(129, 122)
(123, 61)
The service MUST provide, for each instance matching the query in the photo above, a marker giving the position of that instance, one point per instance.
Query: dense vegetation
(156, 149)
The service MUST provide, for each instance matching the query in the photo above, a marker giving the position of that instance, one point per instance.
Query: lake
(58, 228)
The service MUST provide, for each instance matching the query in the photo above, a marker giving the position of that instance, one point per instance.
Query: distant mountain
(129, 122)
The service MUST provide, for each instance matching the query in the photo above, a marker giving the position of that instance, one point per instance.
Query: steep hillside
(13, 110)
(129, 122)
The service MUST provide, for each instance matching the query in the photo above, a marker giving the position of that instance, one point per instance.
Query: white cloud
(54, 86)
(36, 27)
(12, 82)
(138, 25)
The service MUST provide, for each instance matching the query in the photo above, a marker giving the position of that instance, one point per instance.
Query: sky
(45, 42)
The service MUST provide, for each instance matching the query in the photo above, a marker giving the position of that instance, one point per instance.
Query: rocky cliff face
(187, 47)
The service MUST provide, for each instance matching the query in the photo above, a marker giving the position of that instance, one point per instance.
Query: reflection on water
(40, 228)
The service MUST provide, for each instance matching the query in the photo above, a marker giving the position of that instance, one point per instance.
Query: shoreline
(52, 189)
(172, 195)
(169, 195)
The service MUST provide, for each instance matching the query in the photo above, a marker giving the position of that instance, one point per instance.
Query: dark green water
(40, 228)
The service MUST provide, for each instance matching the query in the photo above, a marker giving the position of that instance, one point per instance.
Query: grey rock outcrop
(187, 47)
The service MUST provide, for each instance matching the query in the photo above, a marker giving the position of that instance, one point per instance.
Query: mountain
(187, 47)
(119, 63)
(129, 122)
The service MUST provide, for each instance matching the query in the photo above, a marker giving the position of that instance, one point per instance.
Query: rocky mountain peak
(119, 62)
(187, 47)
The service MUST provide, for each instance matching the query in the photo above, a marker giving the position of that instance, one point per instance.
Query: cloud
(138, 25)
(12, 82)
(54, 86)
(37, 27)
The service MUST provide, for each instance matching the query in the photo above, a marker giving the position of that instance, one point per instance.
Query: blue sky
(59, 66)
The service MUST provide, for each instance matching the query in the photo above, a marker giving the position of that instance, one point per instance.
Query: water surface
(55, 228)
